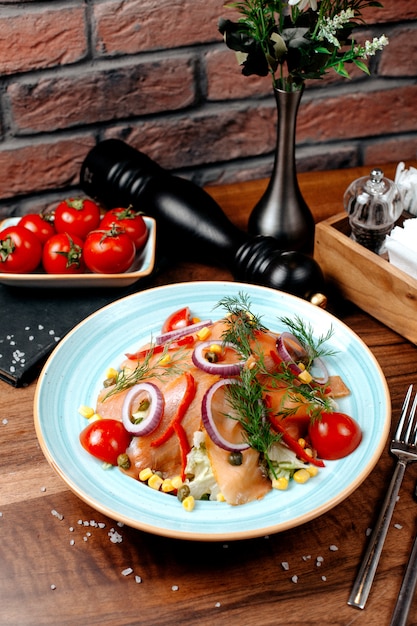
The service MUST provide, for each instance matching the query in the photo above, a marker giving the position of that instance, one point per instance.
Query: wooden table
(44, 580)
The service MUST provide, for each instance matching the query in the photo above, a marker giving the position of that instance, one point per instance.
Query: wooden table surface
(44, 580)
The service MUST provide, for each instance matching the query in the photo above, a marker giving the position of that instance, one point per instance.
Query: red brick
(400, 56)
(392, 11)
(91, 97)
(203, 139)
(38, 38)
(361, 114)
(129, 26)
(402, 148)
(225, 80)
(31, 167)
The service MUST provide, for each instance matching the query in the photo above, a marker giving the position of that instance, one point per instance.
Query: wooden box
(368, 280)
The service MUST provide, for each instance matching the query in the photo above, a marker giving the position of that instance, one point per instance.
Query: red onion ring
(292, 351)
(156, 409)
(221, 369)
(209, 422)
(182, 332)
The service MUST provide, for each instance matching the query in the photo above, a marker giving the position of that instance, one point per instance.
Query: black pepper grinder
(191, 225)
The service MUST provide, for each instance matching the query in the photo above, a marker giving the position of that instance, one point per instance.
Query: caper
(183, 492)
(212, 357)
(109, 382)
(235, 458)
(123, 461)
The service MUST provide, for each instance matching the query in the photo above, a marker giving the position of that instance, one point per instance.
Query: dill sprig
(304, 332)
(246, 402)
(159, 369)
(242, 324)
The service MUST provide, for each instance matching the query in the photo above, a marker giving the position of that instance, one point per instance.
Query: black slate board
(32, 321)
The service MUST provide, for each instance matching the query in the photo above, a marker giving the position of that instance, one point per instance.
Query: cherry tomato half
(109, 251)
(130, 221)
(177, 319)
(105, 439)
(77, 216)
(334, 435)
(41, 225)
(20, 250)
(62, 254)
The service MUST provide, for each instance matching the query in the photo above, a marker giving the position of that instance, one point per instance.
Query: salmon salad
(222, 409)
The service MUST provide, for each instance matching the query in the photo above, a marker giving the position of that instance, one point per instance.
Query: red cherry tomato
(130, 221)
(62, 254)
(77, 216)
(20, 250)
(105, 439)
(334, 435)
(109, 251)
(41, 225)
(177, 319)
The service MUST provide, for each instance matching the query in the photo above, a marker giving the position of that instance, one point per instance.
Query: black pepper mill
(190, 224)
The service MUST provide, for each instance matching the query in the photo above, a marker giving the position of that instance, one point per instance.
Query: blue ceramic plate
(74, 372)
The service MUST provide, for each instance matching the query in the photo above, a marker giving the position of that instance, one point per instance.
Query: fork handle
(405, 597)
(363, 583)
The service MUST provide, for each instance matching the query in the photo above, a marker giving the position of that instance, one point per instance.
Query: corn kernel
(165, 359)
(216, 348)
(309, 452)
(95, 417)
(203, 333)
(302, 442)
(220, 498)
(145, 474)
(305, 376)
(86, 411)
(312, 470)
(111, 373)
(167, 486)
(195, 320)
(176, 482)
(280, 483)
(155, 482)
(301, 365)
(188, 503)
(301, 476)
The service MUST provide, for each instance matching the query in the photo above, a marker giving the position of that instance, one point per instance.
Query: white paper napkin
(406, 181)
(401, 245)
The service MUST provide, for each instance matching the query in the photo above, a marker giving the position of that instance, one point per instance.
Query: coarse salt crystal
(53, 587)
(5, 421)
(43, 489)
(333, 548)
(57, 515)
(127, 571)
(72, 542)
(306, 557)
(138, 579)
(324, 578)
(174, 587)
(294, 579)
(398, 526)
(217, 605)
(285, 566)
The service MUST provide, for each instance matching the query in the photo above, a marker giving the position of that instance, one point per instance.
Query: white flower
(303, 4)
(371, 47)
(330, 26)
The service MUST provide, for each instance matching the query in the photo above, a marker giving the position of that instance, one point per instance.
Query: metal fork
(404, 447)
(406, 594)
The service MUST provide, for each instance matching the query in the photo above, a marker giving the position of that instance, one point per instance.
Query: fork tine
(408, 438)
(404, 409)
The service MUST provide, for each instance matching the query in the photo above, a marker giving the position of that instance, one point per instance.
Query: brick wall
(157, 74)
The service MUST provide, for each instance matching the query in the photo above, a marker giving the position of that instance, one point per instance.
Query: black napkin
(32, 321)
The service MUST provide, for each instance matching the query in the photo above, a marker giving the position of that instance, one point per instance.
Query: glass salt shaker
(373, 205)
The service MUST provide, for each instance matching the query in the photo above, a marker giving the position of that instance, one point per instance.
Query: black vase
(190, 224)
(282, 211)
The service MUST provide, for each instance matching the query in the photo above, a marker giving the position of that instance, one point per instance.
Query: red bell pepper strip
(184, 446)
(293, 443)
(180, 412)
